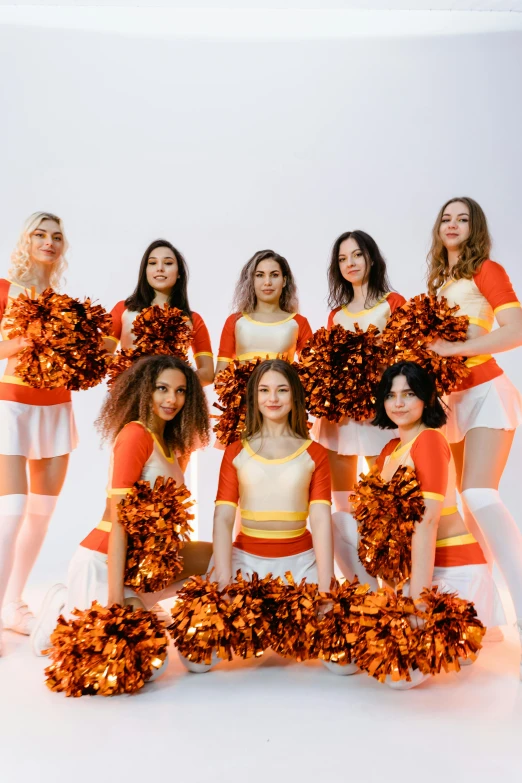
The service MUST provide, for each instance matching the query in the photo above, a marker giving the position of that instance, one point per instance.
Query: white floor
(267, 721)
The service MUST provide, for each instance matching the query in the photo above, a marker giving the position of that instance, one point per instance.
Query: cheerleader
(278, 478)
(360, 294)
(443, 552)
(37, 429)
(487, 408)
(265, 322)
(162, 279)
(155, 408)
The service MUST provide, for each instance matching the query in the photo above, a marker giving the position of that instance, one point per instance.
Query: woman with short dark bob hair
(422, 384)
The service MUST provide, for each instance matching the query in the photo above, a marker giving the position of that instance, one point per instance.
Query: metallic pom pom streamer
(67, 348)
(293, 617)
(230, 385)
(248, 615)
(105, 651)
(386, 514)
(157, 524)
(339, 628)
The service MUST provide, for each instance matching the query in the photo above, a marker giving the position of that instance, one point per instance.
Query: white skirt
(351, 437)
(37, 431)
(473, 583)
(496, 404)
(301, 566)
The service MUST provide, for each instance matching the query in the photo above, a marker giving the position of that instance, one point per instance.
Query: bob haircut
(143, 295)
(21, 264)
(340, 290)
(297, 417)
(245, 299)
(421, 382)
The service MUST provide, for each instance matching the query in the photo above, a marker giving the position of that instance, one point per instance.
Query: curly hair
(422, 383)
(245, 299)
(297, 417)
(21, 263)
(143, 295)
(130, 399)
(473, 252)
(341, 290)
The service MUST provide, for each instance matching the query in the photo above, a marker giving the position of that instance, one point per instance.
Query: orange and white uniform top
(487, 293)
(430, 456)
(122, 320)
(378, 315)
(136, 455)
(278, 490)
(244, 338)
(13, 388)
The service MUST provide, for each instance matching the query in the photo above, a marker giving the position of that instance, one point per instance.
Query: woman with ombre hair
(37, 429)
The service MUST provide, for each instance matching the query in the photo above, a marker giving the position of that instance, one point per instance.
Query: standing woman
(486, 410)
(265, 322)
(37, 429)
(359, 293)
(162, 279)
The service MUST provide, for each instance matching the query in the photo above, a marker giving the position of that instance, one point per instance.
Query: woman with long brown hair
(487, 408)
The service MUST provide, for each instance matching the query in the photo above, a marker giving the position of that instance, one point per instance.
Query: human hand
(444, 347)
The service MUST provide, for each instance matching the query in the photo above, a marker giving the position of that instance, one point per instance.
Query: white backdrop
(228, 147)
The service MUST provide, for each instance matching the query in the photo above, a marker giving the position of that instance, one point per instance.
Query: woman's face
(162, 269)
(455, 225)
(46, 243)
(268, 281)
(274, 396)
(402, 405)
(352, 263)
(168, 397)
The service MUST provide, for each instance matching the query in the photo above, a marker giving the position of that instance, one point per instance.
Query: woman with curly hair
(360, 293)
(487, 408)
(155, 408)
(162, 279)
(37, 429)
(265, 322)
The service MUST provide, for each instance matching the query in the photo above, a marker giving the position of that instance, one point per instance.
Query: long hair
(296, 418)
(422, 383)
(130, 399)
(21, 264)
(143, 295)
(245, 299)
(341, 290)
(472, 253)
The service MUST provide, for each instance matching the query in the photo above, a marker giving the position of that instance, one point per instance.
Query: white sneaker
(18, 617)
(340, 669)
(45, 621)
(198, 668)
(417, 678)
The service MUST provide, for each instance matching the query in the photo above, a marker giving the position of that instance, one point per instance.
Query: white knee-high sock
(30, 539)
(473, 527)
(12, 512)
(345, 549)
(502, 535)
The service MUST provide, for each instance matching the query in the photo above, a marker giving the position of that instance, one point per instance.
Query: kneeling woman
(156, 408)
(443, 553)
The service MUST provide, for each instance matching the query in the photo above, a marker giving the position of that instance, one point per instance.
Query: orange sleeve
(332, 315)
(494, 284)
(200, 337)
(304, 333)
(4, 296)
(228, 486)
(116, 315)
(130, 452)
(227, 344)
(395, 301)
(431, 456)
(387, 450)
(320, 485)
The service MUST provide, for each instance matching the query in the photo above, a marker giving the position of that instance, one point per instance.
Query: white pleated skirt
(473, 583)
(496, 404)
(301, 566)
(37, 431)
(349, 437)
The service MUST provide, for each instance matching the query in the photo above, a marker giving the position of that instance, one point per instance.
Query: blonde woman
(37, 429)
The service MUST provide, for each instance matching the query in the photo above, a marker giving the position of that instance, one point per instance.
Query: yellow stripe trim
(225, 503)
(273, 323)
(124, 491)
(480, 322)
(111, 337)
(203, 353)
(155, 439)
(13, 379)
(399, 449)
(432, 496)
(476, 361)
(367, 310)
(226, 359)
(257, 355)
(326, 502)
(303, 447)
(466, 538)
(254, 533)
(446, 512)
(271, 516)
(104, 525)
(506, 307)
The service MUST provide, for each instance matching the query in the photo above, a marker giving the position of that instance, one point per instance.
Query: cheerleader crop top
(122, 320)
(274, 489)
(378, 315)
(245, 338)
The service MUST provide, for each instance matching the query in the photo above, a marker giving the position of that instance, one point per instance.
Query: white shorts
(351, 437)
(496, 404)
(37, 431)
(301, 566)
